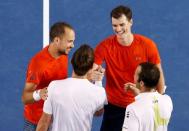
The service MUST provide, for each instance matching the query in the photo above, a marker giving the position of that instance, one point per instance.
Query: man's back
(73, 103)
(150, 112)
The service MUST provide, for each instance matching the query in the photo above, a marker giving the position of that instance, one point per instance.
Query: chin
(63, 52)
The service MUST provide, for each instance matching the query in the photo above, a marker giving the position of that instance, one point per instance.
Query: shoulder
(167, 98)
(55, 83)
(107, 41)
(131, 110)
(142, 37)
(40, 55)
(143, 40)
(133, 106)
(40, 60)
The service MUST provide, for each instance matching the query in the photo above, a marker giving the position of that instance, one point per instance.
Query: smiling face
(121, 26)
(66, 42)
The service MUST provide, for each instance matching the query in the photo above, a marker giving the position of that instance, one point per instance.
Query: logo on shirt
(138, 58)
(127, 114)
(32, 77)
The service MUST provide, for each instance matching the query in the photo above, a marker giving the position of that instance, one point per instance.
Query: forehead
(138, 70)
(69, 33)
(121, 19)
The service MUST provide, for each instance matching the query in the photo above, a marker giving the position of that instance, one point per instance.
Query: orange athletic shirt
(121, 62)
(43, 69)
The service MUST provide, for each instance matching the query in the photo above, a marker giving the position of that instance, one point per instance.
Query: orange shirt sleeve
(153, 54)
(100, 53)
(33, 73)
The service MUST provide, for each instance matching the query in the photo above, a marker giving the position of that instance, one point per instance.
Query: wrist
(164, 89)
(36, 95)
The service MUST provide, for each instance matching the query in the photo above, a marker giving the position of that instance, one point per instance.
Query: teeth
(121, 32)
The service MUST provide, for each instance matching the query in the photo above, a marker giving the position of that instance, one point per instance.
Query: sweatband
(36, 95)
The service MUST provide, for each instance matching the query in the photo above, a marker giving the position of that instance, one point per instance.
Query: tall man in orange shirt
(122, 53)
(49, 64)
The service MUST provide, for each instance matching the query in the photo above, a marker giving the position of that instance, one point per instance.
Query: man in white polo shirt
(151, 111)
(72, 102)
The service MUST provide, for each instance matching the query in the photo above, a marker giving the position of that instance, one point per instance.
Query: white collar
(145, 94)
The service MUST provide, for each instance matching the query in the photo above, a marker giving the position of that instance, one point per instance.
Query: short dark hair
(149, 74)
(121, 10)
(58, 29)
(82, 60)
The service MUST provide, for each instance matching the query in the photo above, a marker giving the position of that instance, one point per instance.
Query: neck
(79, 77)
(126, 40)
(53, 50)
(145, 89)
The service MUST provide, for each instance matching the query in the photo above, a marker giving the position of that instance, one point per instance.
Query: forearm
(27, 95)
(27, 98)
(161, 84)
(96, 74)
(44, 122)
(42, 127)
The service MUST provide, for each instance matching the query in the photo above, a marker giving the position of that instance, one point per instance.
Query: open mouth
(120, 32)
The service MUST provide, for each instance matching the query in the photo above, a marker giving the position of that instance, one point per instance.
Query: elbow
(23, 100)
(161, 90)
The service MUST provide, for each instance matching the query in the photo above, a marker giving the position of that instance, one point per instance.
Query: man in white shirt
(72, 102)
(151, 111)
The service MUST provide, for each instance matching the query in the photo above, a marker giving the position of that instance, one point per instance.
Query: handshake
(96, 74)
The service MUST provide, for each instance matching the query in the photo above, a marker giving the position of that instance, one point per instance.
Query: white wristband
(165, 87)
(98, 83)
(36, 95)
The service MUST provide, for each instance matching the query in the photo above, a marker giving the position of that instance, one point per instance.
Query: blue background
(21, 36)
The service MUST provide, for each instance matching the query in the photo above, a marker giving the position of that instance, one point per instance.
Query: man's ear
(141, 83)
(131, 21)
(90, 71)
(56, 40)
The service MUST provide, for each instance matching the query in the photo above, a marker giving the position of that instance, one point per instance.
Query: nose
(118, 28)
(72, 45)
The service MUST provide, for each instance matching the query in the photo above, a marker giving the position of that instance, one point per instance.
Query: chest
(126, 57)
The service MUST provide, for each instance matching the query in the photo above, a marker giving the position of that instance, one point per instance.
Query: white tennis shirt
(72, 103)
(150, 112)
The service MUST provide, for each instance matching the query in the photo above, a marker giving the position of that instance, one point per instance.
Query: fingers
(129, 85)
(132, 87)
(44, 93)
(100, 69)
(97, 74)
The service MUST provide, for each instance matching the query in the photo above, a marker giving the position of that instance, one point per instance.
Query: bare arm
(95, 66)
(44, 122)
(161, 84)
(97, 73)
(27, 95)
(132, 87)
